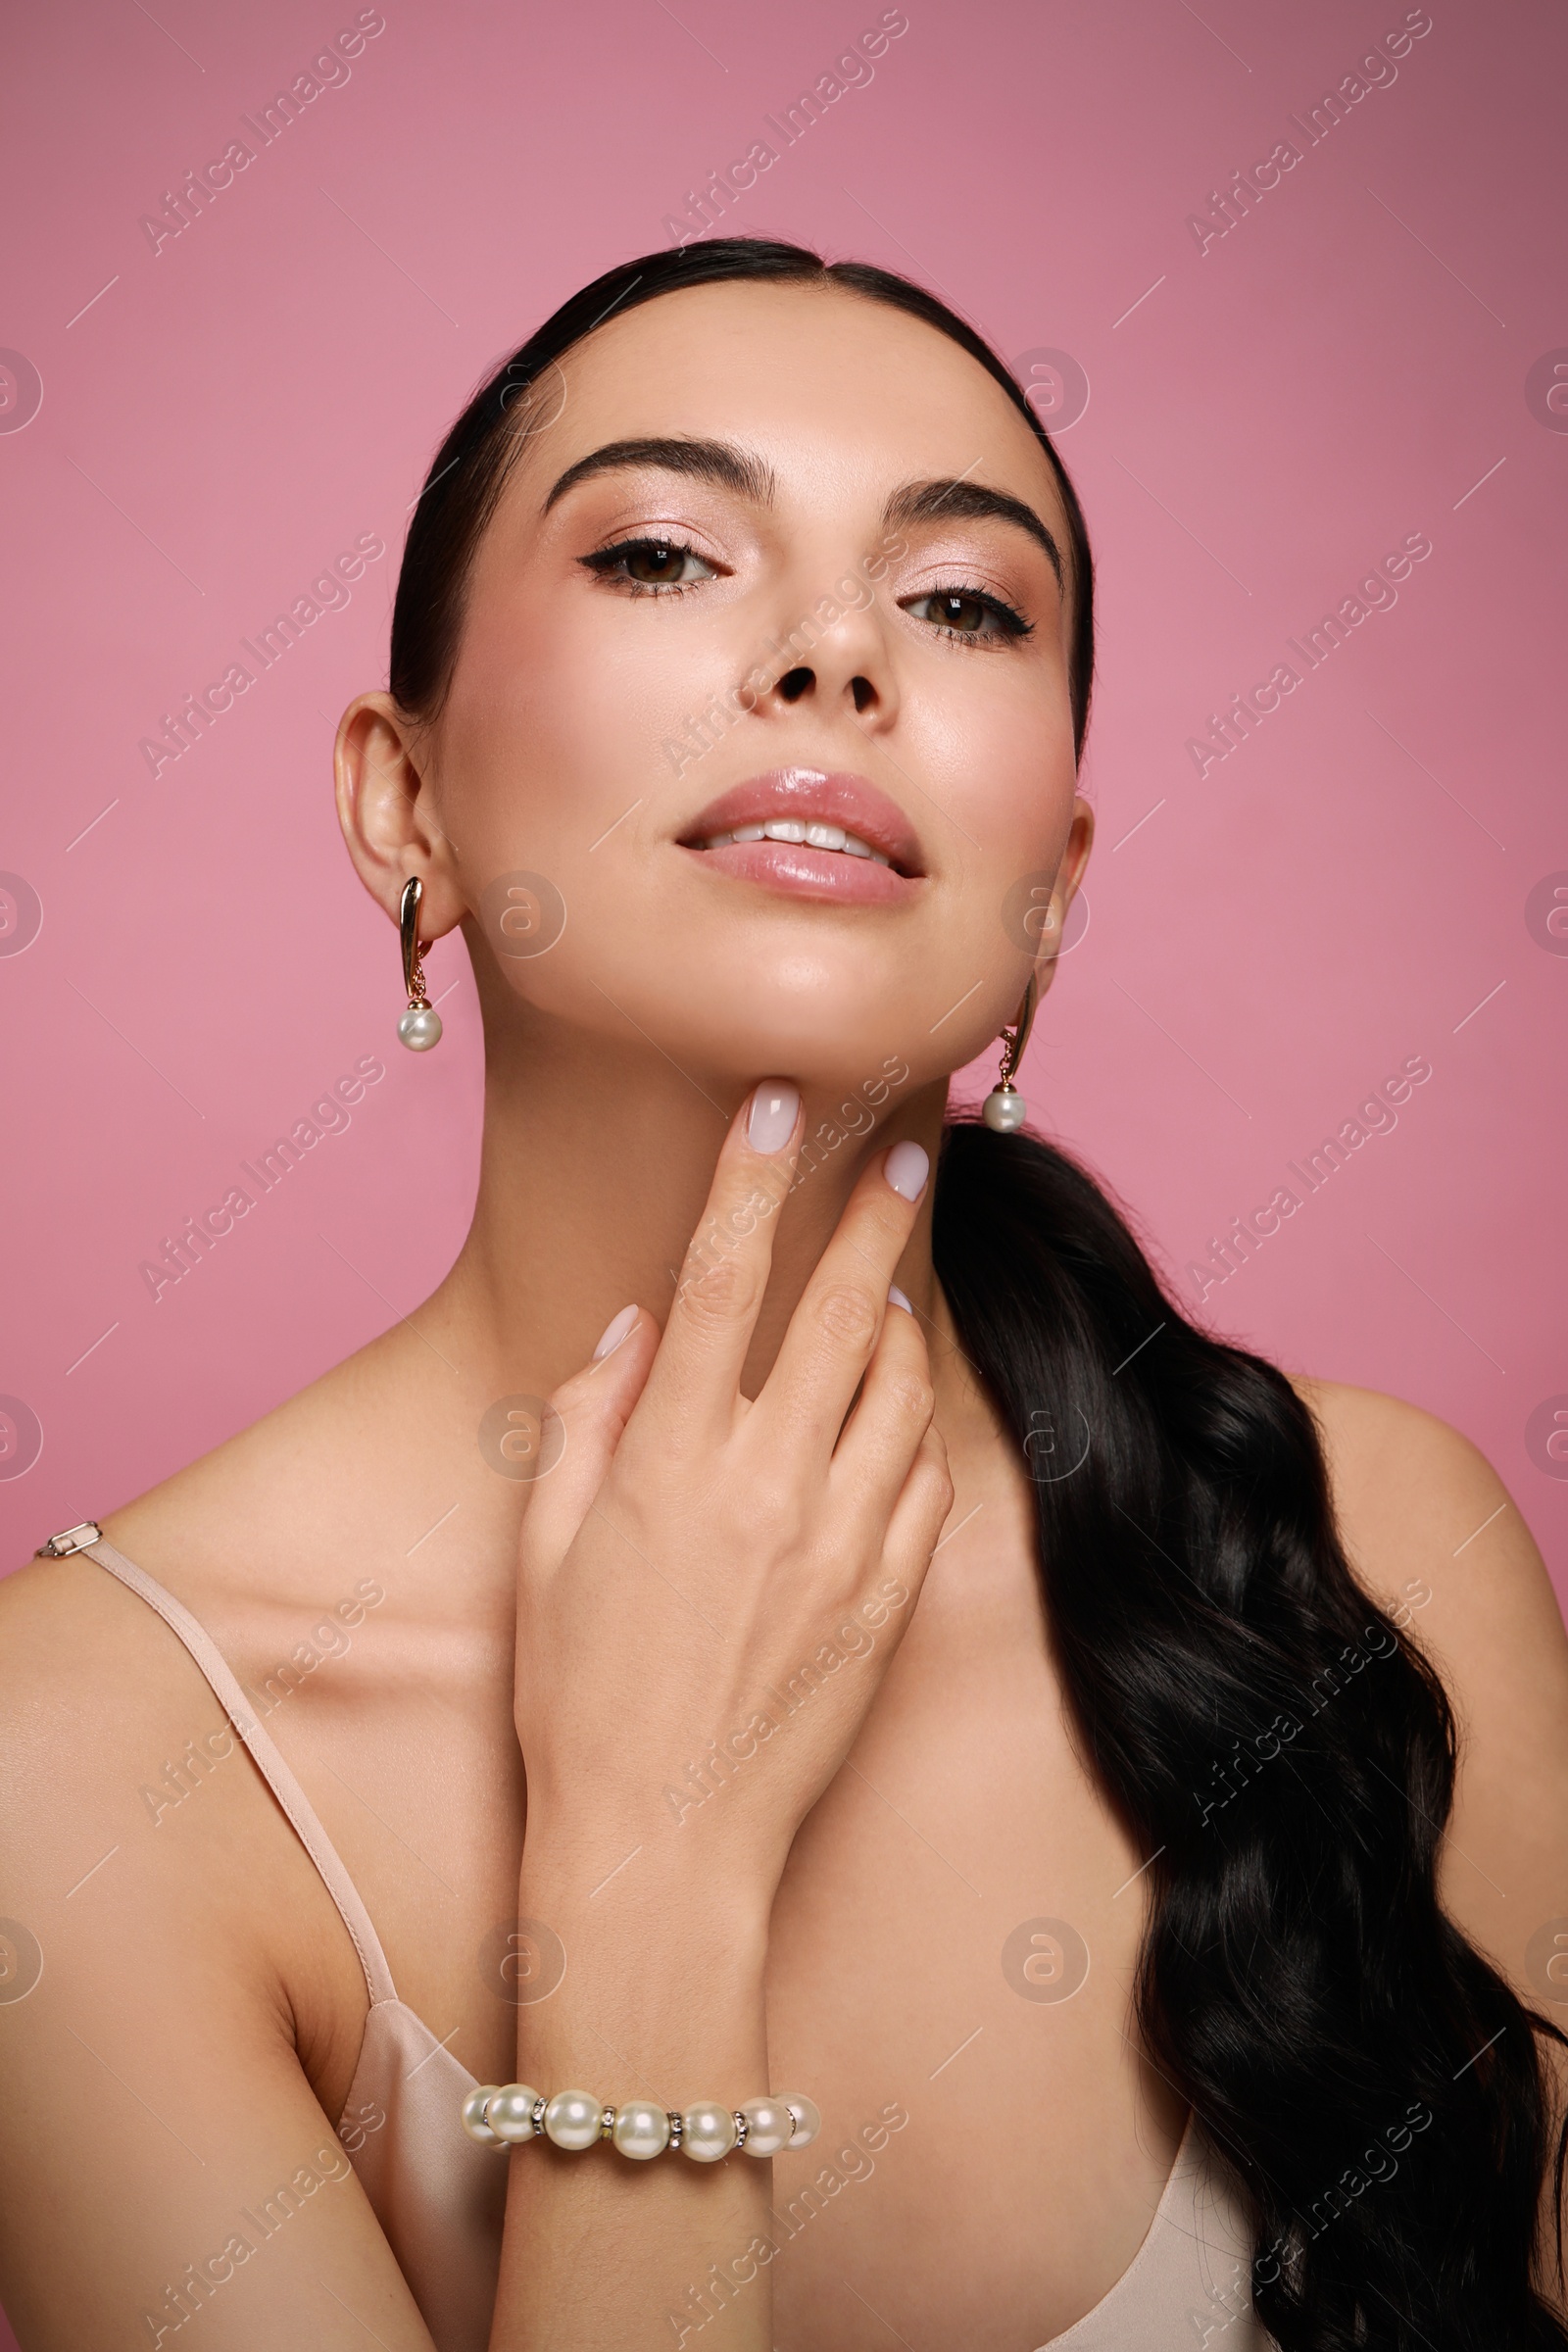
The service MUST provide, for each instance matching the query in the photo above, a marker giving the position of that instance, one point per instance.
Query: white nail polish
(614, 1333)
(907, 1169)
(896, 1297)
(775, 1107)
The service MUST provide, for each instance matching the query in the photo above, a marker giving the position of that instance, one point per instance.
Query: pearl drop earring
(420, 1026)
(1005, 1109)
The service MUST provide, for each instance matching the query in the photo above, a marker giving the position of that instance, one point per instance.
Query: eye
(650, 566)
(969, 615)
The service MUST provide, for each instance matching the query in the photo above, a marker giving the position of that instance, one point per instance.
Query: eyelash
(1014, 624)
(604, 560)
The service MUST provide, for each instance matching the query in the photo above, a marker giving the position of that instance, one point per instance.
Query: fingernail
(775, 1107)
(616, 1332)
(896, 1297)
(907, 1169)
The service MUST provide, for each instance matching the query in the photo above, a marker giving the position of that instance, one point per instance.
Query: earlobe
(1050, 931)
(1080, 841)
(384, 808)
(1069, 878)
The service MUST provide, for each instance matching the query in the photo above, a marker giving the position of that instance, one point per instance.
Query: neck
(596, 1165)
(594, 1173)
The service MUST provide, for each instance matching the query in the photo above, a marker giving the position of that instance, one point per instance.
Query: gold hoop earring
(420, 1026)
(1005, 1109)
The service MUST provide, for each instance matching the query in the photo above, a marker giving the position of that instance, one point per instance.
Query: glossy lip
(835, 797)
(800, 871)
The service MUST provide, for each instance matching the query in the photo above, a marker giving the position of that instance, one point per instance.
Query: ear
(1069, 875)
(388, 808)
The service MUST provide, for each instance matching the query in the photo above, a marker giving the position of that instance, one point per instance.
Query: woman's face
(811, 630)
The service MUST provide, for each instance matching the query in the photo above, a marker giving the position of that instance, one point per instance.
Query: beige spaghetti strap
(284, 1787)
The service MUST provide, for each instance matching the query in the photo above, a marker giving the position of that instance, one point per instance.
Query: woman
(955, 1694)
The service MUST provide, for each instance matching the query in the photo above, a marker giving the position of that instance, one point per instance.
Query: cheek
(998, 757)
(1026, 802)
(616, 705)
(558, 758)
(558, 739)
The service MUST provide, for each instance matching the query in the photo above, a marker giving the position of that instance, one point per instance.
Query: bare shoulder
(1419, 1504)
(1434, 1536)
(150, 1983)
(282, 1486)
(86, 1675)
(108, 1725)
(250, 1534)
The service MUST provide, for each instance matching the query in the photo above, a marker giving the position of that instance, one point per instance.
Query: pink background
(1266, 419)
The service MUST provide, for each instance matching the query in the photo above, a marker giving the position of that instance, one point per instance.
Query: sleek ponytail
(1286, 1755)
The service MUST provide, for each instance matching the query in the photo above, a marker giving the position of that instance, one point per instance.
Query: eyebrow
(732, 468)
(970, 502)
(719, 462)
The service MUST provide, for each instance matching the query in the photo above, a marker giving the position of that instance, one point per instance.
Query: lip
(833, 797)
(812, 795)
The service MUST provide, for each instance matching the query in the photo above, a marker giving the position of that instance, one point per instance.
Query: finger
(582, 1425)
(834, 1328)
(889, 1424)
(914, 1531)
(695, 1380)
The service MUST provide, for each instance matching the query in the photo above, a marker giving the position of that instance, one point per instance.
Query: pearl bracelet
(504, 2115)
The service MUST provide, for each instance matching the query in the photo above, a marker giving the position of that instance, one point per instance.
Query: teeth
(791, 829)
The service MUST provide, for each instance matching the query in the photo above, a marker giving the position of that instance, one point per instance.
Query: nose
(838, 661)
(795, 684)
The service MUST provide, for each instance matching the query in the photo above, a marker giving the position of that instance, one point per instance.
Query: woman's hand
(709, 1594)
(711, 1587)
